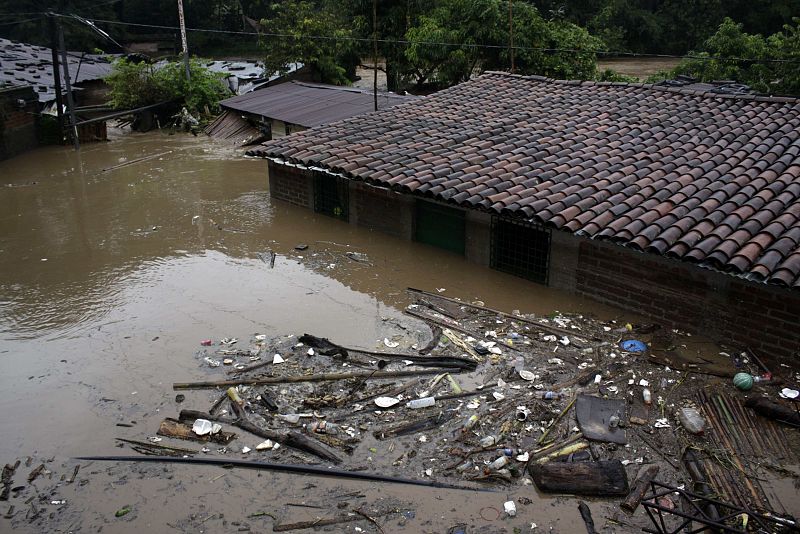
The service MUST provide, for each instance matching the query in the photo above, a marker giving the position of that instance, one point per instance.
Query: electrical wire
(18, 21)
(458, 45)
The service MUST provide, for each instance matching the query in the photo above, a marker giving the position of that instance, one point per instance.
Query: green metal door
(440, 226)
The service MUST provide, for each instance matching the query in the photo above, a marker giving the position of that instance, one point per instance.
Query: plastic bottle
(464, 466)
(292, 418)
(488, 441)
(499, 463)
(549, 395)
(469, 423)
(424, 402)
(519, 363)
(691, 420)
(323, 427)
(647, 396)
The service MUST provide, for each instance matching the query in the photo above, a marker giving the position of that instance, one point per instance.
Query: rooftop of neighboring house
(701, 176)
(311, 104)
(26, 64)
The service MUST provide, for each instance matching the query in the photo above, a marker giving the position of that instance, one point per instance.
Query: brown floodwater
(111, 275)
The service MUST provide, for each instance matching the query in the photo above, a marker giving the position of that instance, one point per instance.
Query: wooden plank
(581, 478)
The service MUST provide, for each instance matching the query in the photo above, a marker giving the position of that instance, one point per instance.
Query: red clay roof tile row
(704, 178)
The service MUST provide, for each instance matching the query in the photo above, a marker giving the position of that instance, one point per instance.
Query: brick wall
(291, 184)
(381, 209)
(18, 125)
(678, 295)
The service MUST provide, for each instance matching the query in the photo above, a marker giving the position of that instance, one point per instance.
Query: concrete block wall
(679, 295)
(18, 124)
(291, 184)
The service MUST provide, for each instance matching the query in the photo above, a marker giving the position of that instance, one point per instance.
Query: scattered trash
(201, 427)
(787, 393)
(390, 344)
(276, 359)
(691, 420)
(386, 402)
(633, 345)
(424, 402)
(125, 510)
(510, 508)
(206, 343)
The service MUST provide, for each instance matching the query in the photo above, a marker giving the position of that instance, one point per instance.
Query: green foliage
(733, 54)
(296, 21)
(135, 85)
(480, 30)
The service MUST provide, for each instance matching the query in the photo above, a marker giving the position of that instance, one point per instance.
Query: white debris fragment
(498, 396)
(261, 337)
(201, 427)
(390, 344)
(245, 450)
(276, 359)
(644, 383)
(787, 393)
(265, 445)
(310, 352)
(523, 457)
(549, 338)
(386, 402)
(564, 341)
(510, 508)
(556, 361)
(528, 375)
(662, 423)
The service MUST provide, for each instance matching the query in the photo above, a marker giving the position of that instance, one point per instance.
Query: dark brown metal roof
(701, 177)
(310, 104)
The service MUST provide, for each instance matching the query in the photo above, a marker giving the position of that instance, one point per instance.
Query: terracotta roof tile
(708, 178)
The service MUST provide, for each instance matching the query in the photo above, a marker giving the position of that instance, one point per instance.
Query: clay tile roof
(701, 177)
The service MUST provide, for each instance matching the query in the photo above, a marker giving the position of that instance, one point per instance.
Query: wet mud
(112, 274)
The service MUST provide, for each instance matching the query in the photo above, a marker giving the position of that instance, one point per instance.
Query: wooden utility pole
(183, 38)
(51, 19)
(73, 130)
(511, 33)
(375, 52)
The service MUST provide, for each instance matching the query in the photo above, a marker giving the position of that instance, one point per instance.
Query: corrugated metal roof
(26, 64)
(310, 104)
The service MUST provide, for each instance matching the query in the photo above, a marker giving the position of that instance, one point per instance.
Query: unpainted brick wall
(679, 295)
(380, 209)
(19, 124)
(290, 184)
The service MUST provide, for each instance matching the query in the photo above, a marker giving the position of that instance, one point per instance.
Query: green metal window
(520, 248)
(331, 196)
(440, 226)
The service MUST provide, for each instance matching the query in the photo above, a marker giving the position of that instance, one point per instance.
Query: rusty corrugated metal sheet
(310, 104)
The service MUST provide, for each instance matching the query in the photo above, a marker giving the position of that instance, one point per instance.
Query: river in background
(113, 269)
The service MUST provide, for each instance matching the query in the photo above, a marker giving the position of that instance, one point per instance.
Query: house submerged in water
(681, 205)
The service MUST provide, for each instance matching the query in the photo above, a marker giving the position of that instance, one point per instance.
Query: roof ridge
(650, 86)
(345, 88)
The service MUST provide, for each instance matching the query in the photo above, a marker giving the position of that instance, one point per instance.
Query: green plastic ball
(743, 381)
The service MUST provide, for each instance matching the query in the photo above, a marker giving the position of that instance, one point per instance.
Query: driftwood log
(173, 428)
(773, 410)
(581, 478)
(631, 502)
(291, 439)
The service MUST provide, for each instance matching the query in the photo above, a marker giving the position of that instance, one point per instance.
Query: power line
(18, 21)
(457, 45)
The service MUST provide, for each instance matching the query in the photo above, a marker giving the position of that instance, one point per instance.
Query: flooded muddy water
(114, 268)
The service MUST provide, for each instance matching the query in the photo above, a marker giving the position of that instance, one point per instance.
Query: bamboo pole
(325, 377)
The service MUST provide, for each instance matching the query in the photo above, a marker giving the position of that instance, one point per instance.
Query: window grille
(520, 248)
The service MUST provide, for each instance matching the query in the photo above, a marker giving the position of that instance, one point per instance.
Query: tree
(769, 65)
(137, 84)
(316, 34)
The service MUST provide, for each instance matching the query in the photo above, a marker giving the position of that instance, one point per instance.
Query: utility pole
(511, 33)
(70, 102)
(51, 19)
(183, 39)
(375, 52)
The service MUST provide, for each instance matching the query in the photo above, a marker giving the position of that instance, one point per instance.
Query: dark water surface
(110, 279)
